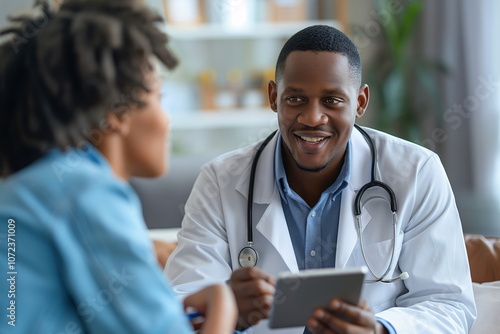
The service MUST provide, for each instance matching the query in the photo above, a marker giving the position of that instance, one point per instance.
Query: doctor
(306, 182)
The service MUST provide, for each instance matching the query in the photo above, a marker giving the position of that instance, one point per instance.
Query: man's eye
(294, 100)
(331, 100)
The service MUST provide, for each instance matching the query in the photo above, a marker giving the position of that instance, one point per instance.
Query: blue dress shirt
(82, 258)
(314, 230)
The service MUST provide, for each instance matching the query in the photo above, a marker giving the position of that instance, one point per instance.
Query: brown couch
(484, 258)
(163, 250)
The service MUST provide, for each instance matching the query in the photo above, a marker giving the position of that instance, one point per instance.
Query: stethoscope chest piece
(248, 257)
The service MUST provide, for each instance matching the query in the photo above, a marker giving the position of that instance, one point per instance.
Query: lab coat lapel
(272, 225)
(360, 174)
(264, 175)
(347, 235)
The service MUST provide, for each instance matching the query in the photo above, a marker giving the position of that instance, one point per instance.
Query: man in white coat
(306, 181)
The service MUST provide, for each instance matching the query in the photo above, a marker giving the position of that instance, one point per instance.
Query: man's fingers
(356, 315)
(254, 292)
(364, 305)
(323, 321)
(253, 288)
(252, 309)
(252, 273)
(341, 317)
(261, 303)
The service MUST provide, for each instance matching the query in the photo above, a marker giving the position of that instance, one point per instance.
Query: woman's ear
(118, 124)
(272, 91)
(363, 99)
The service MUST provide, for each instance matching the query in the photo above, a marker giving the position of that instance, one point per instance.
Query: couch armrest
(163, 249)
(484, 258)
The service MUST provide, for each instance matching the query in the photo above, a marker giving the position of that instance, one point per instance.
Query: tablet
(298, 294)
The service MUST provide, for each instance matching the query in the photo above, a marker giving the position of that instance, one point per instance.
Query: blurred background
(433, 68)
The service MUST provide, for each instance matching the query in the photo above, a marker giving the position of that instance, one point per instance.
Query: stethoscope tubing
(251, 186)
(248, 256)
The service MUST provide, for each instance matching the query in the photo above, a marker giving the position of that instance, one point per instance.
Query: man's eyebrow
(291, 89)
(334, 91)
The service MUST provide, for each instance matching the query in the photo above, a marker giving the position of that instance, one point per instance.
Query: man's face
(317, 102)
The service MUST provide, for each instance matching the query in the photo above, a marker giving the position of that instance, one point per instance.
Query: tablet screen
(298, 294)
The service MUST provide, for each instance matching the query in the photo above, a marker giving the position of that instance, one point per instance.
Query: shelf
(257, 30)
(232, 119)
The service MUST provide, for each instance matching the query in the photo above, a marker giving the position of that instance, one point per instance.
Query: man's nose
(313, 115)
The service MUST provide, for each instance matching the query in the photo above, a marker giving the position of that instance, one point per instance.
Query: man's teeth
(312, 139)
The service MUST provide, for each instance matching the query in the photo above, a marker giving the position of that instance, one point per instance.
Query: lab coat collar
(264, 176)
(360, 175)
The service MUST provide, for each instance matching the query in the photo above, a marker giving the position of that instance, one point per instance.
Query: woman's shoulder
(67, 176)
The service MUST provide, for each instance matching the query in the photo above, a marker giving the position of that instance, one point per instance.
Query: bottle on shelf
(183, 12)
(229, 96)
(208, 89)
(267, 75)
(288, 10)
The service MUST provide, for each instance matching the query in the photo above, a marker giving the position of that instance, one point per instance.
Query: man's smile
(312, 139)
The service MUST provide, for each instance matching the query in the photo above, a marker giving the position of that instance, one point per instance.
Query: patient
(79, 115)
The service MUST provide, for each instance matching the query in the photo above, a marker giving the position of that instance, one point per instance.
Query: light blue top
(83, 261)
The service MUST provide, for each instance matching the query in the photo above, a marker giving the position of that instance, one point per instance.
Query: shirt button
(313, 214)
(313, 253)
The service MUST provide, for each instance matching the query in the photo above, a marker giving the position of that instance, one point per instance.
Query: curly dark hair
(62, 72)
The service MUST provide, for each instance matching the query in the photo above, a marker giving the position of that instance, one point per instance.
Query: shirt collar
(86, 152)
(279, 171)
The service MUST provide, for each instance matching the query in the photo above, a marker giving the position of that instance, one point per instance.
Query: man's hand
(254, 292)
(341, 317)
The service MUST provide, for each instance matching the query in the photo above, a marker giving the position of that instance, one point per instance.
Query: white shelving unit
(215, 31)
(250, 48)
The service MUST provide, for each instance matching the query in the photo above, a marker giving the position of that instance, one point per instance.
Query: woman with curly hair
(79, 115)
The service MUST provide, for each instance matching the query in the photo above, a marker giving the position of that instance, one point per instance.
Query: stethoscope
(248, 256)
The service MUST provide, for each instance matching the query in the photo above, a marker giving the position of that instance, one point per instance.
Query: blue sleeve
(110, 269)
(387, 325)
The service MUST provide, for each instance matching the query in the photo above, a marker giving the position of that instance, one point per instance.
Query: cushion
(487, 296)
(163, 250)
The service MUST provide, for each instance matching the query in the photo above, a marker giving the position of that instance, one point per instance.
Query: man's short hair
(321, 38)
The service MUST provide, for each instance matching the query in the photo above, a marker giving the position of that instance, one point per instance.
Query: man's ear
(363, 99)
(272, 91)
(118, 124)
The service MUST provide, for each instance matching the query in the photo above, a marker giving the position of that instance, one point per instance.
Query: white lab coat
(437, 298)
